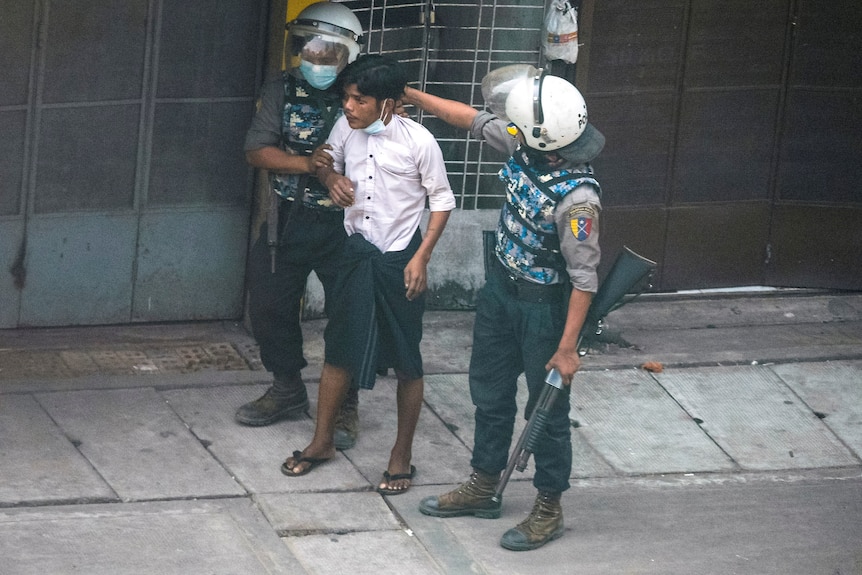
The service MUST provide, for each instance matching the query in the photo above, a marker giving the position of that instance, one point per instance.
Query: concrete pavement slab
(38, 463)
(731, 345)
(157, 380)
(586, 461)
(138, 444)
(765, 524)
(224, 537)
(755, 418)
(438, 455)
(728, 329)
(447, 341)
(365, 553)
(298, 514)
(253, 455)
(833, 390)
(637, 427)
(657, 311)
(448, 395)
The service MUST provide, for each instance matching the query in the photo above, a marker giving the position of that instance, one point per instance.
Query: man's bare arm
(452, 112)
(566, 359)
(416, 271)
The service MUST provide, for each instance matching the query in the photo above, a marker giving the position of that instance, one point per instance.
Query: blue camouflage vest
(527, 240)
(307, 119)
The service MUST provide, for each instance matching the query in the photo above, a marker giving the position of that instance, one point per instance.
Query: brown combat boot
(544, 524)
(472, 498)
(285, 398)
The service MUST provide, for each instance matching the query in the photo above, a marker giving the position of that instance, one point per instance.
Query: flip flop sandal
(297, 459)
(398, 476)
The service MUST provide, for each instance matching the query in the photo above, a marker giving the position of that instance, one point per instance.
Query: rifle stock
(628, 271)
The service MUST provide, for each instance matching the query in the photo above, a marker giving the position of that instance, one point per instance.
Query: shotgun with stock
(629, 271)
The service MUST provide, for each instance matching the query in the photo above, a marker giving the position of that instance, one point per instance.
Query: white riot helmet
(549, 111)
(324, 34)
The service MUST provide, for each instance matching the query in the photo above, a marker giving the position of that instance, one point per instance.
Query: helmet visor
(497, 84)
(318, 48)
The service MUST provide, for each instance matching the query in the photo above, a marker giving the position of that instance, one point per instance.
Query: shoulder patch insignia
(581, 227)
(581, 221)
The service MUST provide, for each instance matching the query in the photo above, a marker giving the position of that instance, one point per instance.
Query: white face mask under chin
(377, 125)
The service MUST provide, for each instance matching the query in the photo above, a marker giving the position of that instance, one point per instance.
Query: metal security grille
(448, 47)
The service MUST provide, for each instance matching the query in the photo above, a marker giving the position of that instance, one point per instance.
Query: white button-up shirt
(392, 174)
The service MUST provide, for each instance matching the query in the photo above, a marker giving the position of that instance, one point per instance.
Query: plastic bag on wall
(561, 32)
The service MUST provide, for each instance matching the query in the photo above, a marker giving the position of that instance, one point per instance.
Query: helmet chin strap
(538, 113)
(539, 132)
(540, 159)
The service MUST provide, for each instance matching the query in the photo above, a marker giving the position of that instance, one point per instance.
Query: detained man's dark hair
(376, 76)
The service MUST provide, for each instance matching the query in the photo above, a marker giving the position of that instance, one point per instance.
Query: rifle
(628, 271)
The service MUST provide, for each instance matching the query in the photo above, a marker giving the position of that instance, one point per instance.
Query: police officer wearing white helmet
(304, 228)
(541, 276)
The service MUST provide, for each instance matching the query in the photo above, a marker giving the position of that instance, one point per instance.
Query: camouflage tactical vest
(527, 241)
(307, 119)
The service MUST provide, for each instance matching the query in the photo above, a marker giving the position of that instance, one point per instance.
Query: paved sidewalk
(119, 453)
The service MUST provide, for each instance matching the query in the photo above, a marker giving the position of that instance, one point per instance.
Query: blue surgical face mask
(320, 76)
(377, 125)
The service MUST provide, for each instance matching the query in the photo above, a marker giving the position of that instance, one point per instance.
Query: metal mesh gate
(448, 47)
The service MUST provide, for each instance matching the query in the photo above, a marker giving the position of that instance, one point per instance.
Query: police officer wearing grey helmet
(540, 279)
(304, 229)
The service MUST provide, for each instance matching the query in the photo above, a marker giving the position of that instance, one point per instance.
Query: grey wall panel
(816, 247)
(16, 44)
(821, 152)
(197, 155)
(94, 50)
(635, 45)
(190, 265)
(12, 125)
(828, 44)
(116, 104)
(11, 233)
(639, 133)
(735, 43)
(725, 145)
(208, 49)
(716, 246)
(641, 229)
(761, 104)
(87, 158)
(78, 270)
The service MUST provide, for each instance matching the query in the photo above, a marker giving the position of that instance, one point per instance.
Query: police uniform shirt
(576, 216)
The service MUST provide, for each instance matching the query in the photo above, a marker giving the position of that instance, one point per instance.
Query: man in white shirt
(391, 165)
